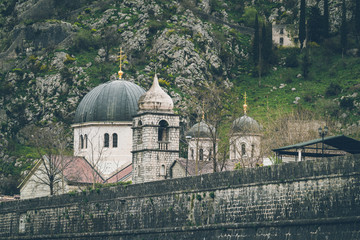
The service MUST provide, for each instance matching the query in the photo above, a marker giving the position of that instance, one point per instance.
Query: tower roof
(200, 130)
(156, 99)
(246, 124)
(111, 101)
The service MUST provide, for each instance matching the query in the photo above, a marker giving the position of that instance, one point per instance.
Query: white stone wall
(177, 171)
(150, 155)
(35, 186)
(106, 159)
(252, 148)
(195, 144)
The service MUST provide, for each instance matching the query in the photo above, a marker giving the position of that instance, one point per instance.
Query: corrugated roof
(339, 142)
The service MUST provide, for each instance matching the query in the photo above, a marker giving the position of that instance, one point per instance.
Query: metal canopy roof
(338, 143)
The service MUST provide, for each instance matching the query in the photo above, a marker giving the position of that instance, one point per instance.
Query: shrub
(333, 89)
(291, 60)
(347, 103)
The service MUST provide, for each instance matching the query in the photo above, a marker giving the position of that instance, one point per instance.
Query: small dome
(200, 130)
(246, 124)
(156, 99)
(111, 101)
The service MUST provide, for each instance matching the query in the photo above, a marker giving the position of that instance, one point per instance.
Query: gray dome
(200, 130)
(111, 101)
(246, 124)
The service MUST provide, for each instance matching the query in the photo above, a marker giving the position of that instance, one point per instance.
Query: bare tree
(218, 106)
(51, 143)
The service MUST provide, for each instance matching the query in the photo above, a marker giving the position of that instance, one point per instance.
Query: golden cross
(120, 73)
(245, 105)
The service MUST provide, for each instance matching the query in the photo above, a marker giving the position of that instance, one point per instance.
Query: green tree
(343, 30)
(256, 41)
(302, 27)
(326, 27)
(357, 18)
(315, 25)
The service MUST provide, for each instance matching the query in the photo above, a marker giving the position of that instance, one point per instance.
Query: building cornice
(114, 123)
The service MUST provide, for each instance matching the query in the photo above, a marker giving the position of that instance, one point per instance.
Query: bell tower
(155, 136)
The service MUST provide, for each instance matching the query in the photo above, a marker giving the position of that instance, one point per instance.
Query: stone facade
(281, 36)
(304, 200)
(105, 158)
(200, 149)
(155, 145)
(245, 148)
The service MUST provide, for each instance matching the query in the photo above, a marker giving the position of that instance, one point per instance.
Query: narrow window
(234, 151)
(252, 150)
(106, 140)
(281, 31)
(81, 141)
(192, 153)
(163, 131)
(201, 154)
(86, 141)
(243, 150)
(281, 41)
(115, 140)
(139, 132)
(162, 170)
(210, 154)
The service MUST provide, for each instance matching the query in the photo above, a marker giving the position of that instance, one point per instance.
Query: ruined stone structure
(304, 200)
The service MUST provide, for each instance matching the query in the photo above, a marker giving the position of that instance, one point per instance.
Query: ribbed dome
(111, 101)
(156, 99)
(200, 130)
(246, 124)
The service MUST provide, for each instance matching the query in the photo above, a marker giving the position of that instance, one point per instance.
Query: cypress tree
(326, 18)
(256, 41)
(343, 28)
(302, 27)
(357, 17)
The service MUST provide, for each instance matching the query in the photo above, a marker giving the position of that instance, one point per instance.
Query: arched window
(162, 170)
(86, 141)
(192, 153)
(115, 140)
(139, 132)
(201, 154)
(81, 141)
(163, 131)
(106, 140)
(243, 149)
(252, 150)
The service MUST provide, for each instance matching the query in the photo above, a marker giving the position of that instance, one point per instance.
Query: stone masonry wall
(305, 200)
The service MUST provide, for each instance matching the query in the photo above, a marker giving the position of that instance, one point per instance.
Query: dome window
(86, 141)
(106, 140)
(243, 149)
(201, 154)
(81, 141)
(115, 140)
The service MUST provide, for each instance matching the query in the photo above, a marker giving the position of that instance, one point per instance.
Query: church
(124, 133)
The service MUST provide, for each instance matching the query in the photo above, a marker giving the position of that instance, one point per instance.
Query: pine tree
(302, 27)
(256, 41)
(326, 18)
(343, 28)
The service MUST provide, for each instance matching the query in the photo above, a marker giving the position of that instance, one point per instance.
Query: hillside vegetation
(54, 52)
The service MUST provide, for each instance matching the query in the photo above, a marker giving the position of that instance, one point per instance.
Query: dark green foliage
(302, 27)
(291, 60)
(347, 103)
(333, 89)
(315, 25)
(326, 27)
(343, 28)
(198, 197)
(357, 17)
(84, 41)
(305, 65)
(256, 41)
